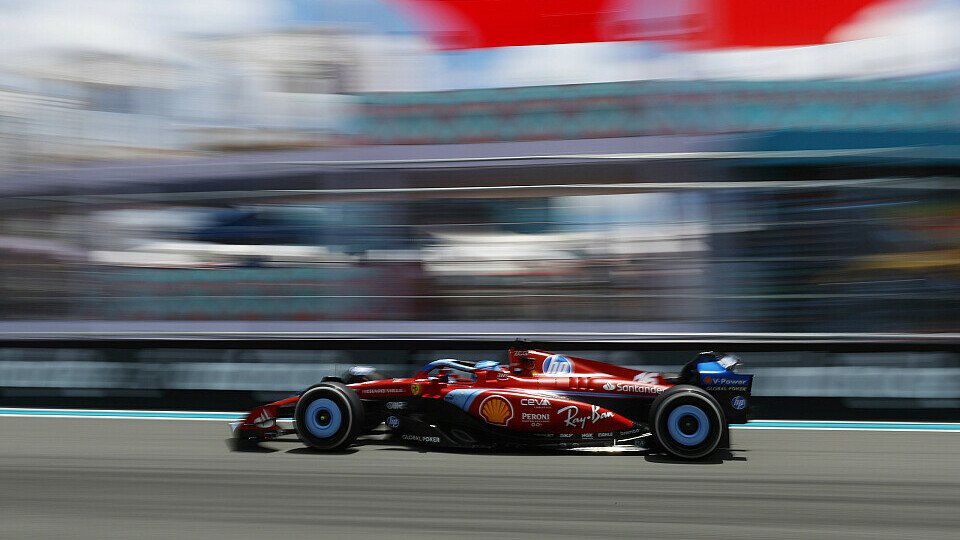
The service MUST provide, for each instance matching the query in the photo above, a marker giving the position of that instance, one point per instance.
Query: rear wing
(717, 374)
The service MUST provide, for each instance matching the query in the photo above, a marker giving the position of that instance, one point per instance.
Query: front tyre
(329, 416)
(687, 422)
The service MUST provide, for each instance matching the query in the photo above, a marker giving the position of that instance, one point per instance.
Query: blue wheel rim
(695, 438)
(314, 427)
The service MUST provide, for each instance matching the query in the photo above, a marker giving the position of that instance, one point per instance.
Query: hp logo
(557, 364)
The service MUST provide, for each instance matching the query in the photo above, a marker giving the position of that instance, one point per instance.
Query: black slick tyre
(329, 416)
(687, 422)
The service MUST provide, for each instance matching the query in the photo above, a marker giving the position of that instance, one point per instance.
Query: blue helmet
(487, 364)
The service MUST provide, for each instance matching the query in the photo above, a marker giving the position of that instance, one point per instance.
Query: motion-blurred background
(696, 167)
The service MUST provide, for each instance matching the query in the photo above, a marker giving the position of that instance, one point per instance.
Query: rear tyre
(329, 416)
(687, 422)
(725, 440)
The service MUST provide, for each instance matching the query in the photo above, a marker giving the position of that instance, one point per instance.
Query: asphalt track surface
(124, 479)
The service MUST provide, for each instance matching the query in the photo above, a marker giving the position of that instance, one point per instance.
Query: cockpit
(449, 370)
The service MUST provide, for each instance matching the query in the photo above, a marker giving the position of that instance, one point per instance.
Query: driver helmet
(491, 365)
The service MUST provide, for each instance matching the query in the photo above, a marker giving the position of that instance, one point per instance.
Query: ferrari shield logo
(415, 389)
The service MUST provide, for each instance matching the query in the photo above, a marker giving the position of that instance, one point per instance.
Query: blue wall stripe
(812, 424)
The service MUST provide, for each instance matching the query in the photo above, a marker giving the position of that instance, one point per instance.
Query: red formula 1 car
(541, 399)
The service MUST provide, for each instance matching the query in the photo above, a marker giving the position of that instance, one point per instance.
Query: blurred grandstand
(743, 207)
(311, 170)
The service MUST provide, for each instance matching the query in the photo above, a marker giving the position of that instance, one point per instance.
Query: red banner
(690, 24)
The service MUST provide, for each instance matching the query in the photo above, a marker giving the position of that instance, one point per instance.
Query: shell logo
(496, 410)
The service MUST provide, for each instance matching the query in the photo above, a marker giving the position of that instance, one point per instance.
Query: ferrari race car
(541, 399)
